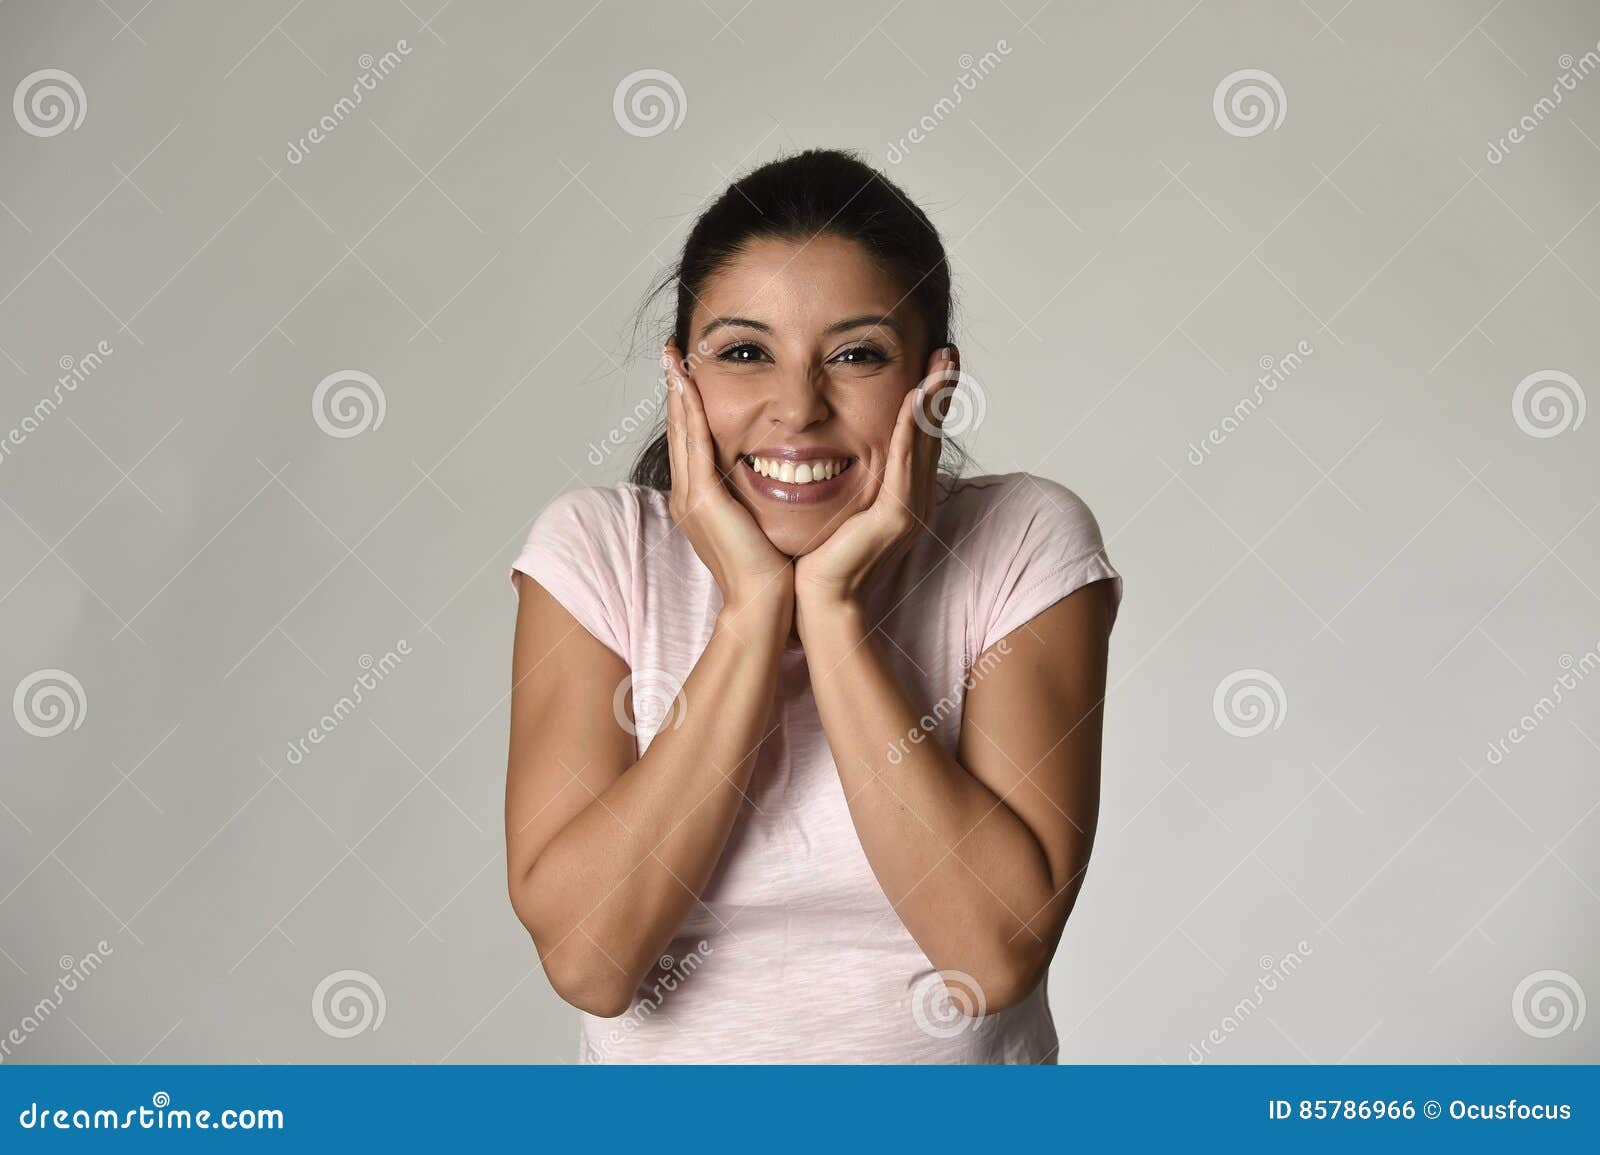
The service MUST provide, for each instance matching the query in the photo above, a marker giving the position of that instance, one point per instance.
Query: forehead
(803, 285)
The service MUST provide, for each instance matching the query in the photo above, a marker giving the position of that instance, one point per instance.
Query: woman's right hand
(747, 567)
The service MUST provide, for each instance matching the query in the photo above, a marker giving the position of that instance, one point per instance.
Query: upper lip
(792, 453)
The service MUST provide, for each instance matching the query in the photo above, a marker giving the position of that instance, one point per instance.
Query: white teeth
(803, 473)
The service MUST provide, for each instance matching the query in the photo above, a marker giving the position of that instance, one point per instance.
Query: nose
(798, 401)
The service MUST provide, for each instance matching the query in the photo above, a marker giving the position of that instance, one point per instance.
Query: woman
(855, 800)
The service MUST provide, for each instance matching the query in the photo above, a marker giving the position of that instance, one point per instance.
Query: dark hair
(800, 197)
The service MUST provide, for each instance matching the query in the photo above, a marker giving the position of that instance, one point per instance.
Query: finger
(943, 372)
(949, 380)
(895, 483)
(943, 379)
(677, 451)
(702, 457)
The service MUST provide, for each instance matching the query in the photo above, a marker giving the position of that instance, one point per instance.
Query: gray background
(1383, 536)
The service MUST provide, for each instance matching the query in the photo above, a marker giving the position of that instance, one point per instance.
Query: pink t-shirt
(793, 954)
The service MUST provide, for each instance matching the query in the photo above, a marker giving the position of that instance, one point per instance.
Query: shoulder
(994, 513)
(1028, 542)
(594, 506)
(586, 548)
(611, 516)
(597, 530)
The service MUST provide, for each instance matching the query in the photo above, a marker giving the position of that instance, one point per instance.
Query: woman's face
(803, 352)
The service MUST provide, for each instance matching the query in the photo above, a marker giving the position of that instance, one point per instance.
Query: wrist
(828, 597)
(821, 614)
(769, 600)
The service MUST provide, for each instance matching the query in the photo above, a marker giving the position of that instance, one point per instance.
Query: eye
(742, 353)
(861, 355)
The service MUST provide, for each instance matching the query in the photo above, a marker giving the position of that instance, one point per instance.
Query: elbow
(997, 981)
(577, 970)
(1013, 985)
(591, 985)
(1010, 962)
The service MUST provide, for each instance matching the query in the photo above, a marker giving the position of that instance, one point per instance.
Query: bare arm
(983, 854)
(607, 855)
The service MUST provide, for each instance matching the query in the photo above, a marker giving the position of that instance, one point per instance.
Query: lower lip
(787, 492)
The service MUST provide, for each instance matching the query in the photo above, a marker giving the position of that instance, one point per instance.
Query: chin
(798, 540)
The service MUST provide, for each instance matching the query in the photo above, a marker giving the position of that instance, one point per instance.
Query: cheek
(871, 420)
(728, 420)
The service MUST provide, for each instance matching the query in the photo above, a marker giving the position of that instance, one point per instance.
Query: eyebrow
(883, 320)
(865, 319)
(742, 322)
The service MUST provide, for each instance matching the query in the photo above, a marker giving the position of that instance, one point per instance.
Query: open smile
(796, 480)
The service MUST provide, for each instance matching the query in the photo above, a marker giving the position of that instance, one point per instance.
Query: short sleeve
(581, 549)
(1043, 544)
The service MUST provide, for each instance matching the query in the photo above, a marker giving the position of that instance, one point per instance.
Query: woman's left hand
(838, 571)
